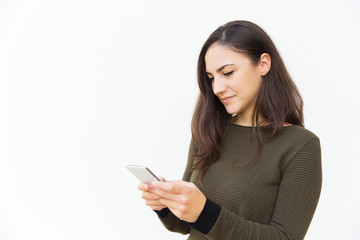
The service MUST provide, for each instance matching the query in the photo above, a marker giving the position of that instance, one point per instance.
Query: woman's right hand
(151, 199)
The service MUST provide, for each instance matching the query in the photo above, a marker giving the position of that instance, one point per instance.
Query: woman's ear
(265, 64)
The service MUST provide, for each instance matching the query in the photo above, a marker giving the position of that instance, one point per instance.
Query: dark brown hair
(278, 101)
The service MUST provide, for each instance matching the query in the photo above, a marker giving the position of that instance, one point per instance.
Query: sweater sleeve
(297, 199)
(168, 219)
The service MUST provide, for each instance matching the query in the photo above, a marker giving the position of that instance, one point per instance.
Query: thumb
(162, 179)
(176, 181)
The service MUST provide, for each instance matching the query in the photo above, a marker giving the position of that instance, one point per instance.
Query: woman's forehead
(220, 55)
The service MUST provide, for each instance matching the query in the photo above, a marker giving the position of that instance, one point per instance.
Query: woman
(253, 170)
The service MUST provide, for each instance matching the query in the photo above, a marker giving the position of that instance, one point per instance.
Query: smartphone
(143, 173)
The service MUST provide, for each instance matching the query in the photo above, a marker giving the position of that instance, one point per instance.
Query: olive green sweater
(274, 199)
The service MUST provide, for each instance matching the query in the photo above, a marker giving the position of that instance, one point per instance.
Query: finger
(149, 195)
(173, 205)
(143, 186)
(176, 187)
(177, 181)
(162, 179)
(158, 207)
(164, 194)
(153, 203)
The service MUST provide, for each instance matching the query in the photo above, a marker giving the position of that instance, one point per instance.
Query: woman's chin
(231, 111)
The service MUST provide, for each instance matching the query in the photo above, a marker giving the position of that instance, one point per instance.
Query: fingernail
(146, 187)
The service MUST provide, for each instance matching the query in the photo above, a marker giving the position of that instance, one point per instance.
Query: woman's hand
(183, 199)
(151, 199)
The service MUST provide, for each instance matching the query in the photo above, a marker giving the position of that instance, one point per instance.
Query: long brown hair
(278, 100)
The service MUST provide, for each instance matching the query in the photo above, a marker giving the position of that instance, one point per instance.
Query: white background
(87, 87)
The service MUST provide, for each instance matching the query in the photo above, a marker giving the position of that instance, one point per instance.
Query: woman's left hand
(184, 199)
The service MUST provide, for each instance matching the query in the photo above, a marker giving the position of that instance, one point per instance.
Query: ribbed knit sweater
(273, 199)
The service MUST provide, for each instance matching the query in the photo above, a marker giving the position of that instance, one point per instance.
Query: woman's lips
(226, 99)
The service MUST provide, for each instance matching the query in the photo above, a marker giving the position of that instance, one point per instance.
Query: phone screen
(143, 173)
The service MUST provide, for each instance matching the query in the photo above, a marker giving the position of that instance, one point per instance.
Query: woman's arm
(168, 219)
(298, 195)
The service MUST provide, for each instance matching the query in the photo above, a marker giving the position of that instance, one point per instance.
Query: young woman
(253, 170)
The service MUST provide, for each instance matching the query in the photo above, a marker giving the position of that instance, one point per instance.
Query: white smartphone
(143, 173)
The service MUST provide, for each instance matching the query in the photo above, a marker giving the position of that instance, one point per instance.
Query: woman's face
(235, 80)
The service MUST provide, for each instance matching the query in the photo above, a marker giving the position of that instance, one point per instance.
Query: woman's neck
(246, 121)
(242, 119)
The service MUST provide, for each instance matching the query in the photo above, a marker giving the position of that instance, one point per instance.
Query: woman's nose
(219, 85)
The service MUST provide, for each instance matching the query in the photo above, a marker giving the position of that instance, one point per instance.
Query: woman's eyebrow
(221, 68)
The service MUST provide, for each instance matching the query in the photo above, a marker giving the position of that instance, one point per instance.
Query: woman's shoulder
(295, 138)
(298, 132)
(297, 141)
(288, 131)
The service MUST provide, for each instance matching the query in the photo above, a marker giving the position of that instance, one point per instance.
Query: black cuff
(163, 212)
(207, 217)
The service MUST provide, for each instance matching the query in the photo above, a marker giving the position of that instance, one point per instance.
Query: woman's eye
(228, 73)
